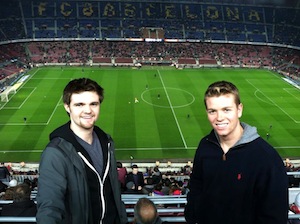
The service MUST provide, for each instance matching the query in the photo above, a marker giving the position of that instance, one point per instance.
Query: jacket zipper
(99, 178)
(224, 154)
(224, 157)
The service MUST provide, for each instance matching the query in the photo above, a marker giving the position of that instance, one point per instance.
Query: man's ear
(240, 110)
(67, 108)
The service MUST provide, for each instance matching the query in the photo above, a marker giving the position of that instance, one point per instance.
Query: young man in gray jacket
(78, 182)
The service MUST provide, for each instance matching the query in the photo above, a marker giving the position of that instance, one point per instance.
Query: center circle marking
(163, 90)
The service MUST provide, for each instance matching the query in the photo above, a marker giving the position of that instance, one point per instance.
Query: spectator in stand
(8, 194)
(145, 212)
(136, 177)
(237, 176)
(34, 184)
(186, 187)
(175, 189)
(157, 190)
(186, 170)
(13, 183)
(28, 182)
(289, 166)
(4, 173)
(22, 205)
(148, 186)
(122, 172)
(156, 175)
(166, 186)
(78, 179)
(130, 188)
(9, 167)
(3, 188)
(295, 208)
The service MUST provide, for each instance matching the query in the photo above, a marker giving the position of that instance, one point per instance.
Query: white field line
(19, 107)
(297, 122)
(287, 90)
(192, 148)
(170, 103)
(143, 149)
(54, 110)
(27, 123)
(36, 124)
(27, 98)
(2, 107)
(23, 124)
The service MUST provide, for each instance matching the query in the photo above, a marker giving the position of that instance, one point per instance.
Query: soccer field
(167, 122)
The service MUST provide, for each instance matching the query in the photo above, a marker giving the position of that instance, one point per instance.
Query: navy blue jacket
(247, 185)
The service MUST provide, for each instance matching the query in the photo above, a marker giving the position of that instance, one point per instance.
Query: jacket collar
(67, 134)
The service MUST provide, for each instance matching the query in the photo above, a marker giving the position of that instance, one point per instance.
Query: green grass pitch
(167, 122)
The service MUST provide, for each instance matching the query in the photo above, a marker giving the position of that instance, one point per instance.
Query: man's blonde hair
(220, 88)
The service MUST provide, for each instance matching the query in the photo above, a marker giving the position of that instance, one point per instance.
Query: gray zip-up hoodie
(70, 190)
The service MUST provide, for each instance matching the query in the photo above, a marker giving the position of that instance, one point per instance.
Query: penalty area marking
(272, 102)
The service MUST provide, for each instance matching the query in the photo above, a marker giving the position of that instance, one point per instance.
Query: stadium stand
(227, 22)
(227, 33)
(256, 34)
(170, 208)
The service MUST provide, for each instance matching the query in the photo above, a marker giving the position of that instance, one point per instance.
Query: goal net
(6, 92)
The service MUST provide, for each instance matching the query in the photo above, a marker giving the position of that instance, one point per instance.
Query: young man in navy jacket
(237, 177)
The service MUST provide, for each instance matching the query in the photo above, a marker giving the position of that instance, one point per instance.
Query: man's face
(135, 170)
(223, 115)
(84, 110)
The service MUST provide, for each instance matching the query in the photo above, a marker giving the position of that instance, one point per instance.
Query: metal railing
(173, 213)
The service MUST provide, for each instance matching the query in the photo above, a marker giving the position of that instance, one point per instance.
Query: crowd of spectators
(22, 205)
(14, 58)
(152, 182)
(83, 51)
(294, 180)
(275, 25)
(20, 194)
(132, 180)
(135, 179)
(290, 166)
(151, 179)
